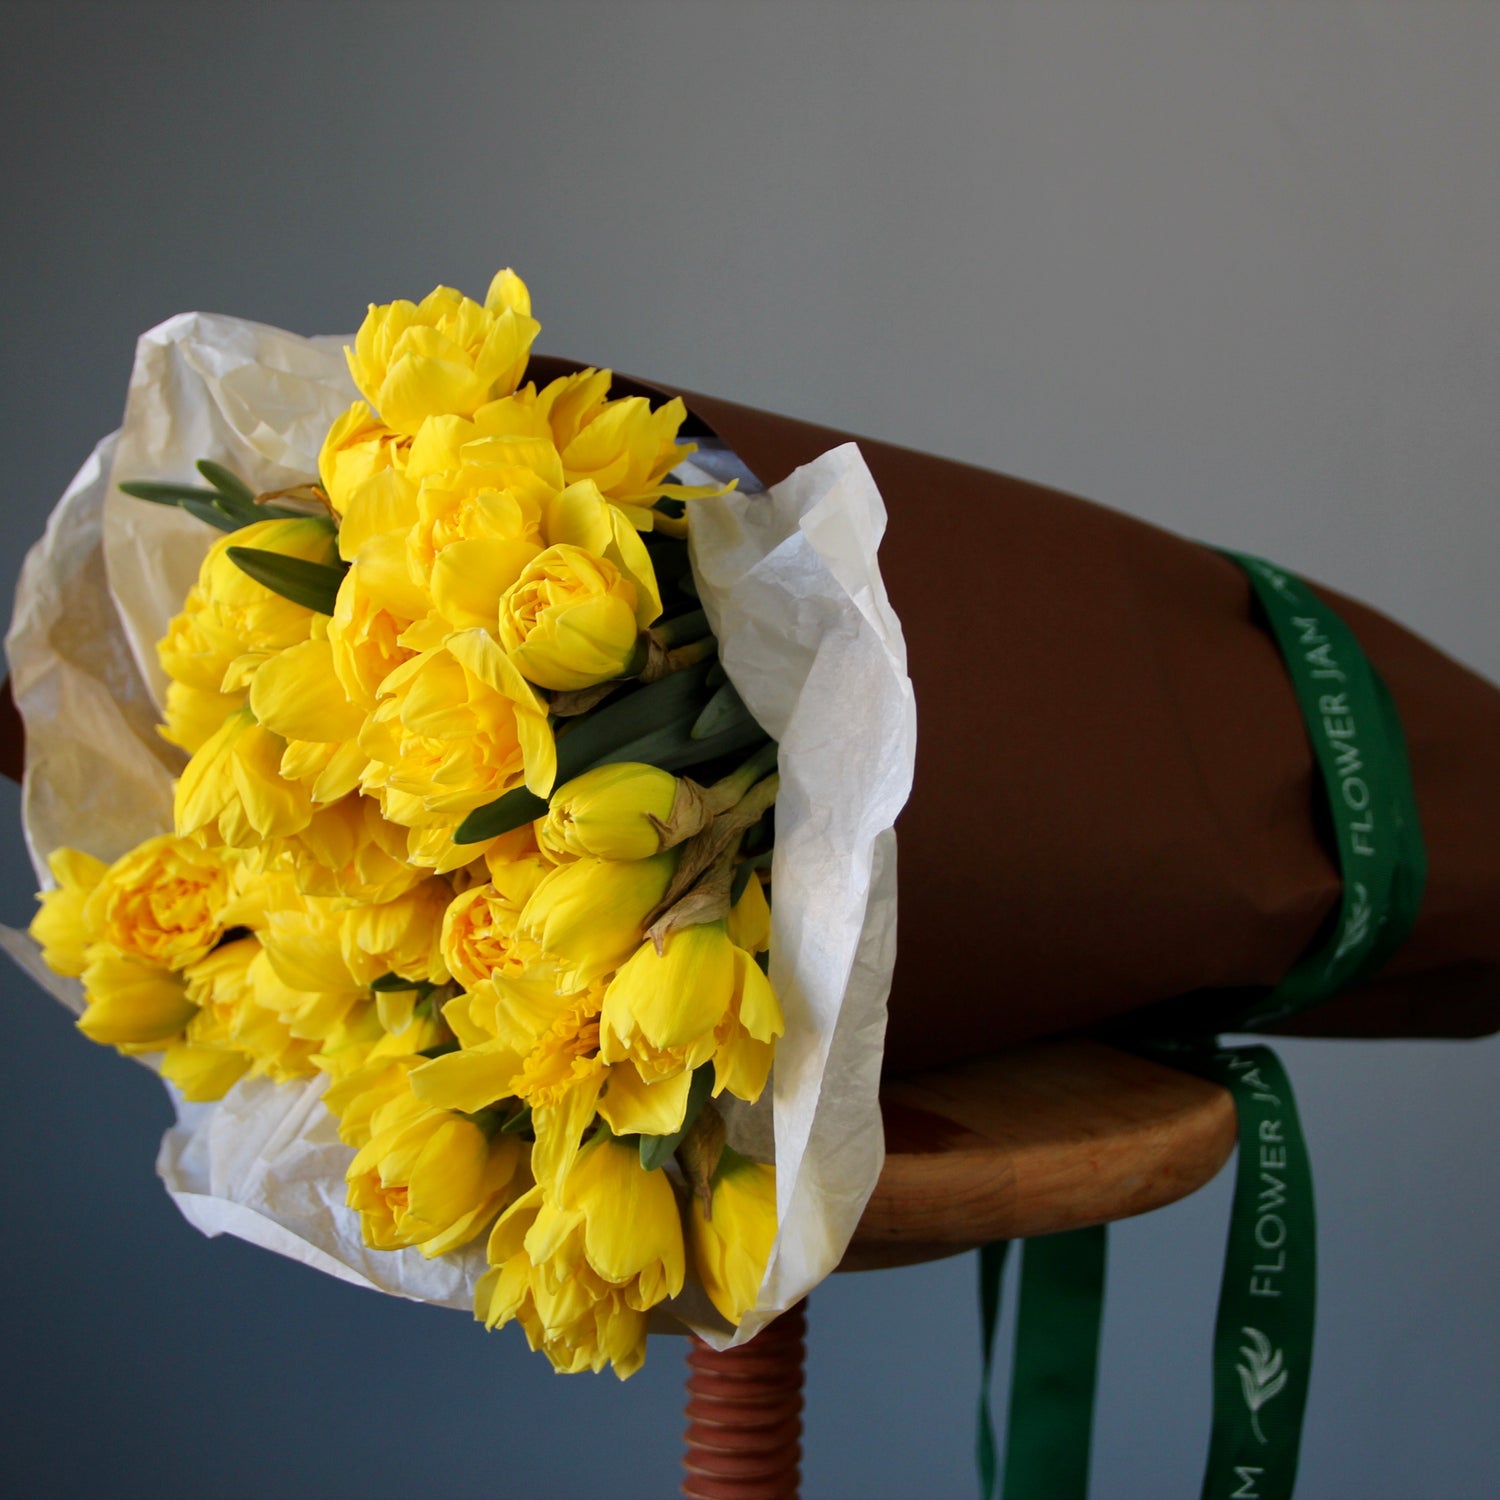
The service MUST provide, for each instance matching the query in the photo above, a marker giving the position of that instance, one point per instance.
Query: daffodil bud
(588, 916)
(569, 620)
(731, 1241)
(612, 812)
(131, 1003)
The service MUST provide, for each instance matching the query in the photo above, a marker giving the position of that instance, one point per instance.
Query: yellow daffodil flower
(232, 790)
(580, 516)
(131, 1002)
(376, 605)
(750, 920)
(402, 936)
(607, 813)
(61, 927)
(731, 1243)
(588, 916)
(349, 850)
(446, 355)
(622, 446)
(569, 620)
(230, 625)
(580, 1273)
(358, 446)
(354, 1097)
(302, 974)
(297, 694)
(456, 727)
(701, 999)
(481, 934)
(230, 1016)
(429, 1178)
(162, 901)
(202, 1071)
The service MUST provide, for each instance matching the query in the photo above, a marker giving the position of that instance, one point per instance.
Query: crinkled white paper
(790, 581)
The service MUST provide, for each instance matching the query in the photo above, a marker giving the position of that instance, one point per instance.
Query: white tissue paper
(790, 582)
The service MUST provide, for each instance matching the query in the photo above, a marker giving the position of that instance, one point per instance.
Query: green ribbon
(1264, 1330)
(1056, 1360)
(1361, 752)
(1263, 1334)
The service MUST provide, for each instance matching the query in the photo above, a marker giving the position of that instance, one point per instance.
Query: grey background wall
(1231, 268)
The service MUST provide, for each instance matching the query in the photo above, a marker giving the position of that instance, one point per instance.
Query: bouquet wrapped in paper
(402, 758)
(509, 892)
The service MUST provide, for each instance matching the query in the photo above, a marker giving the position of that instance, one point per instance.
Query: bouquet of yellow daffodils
(434, 845)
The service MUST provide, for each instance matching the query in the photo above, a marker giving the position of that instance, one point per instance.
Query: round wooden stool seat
(1040, 1138)
(1035, 1140)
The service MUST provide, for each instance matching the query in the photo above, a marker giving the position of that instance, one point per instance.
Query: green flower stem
(723, 795)
(683, 630)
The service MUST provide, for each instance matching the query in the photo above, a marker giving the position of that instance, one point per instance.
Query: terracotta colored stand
(1035, 1140)
(744, 1415)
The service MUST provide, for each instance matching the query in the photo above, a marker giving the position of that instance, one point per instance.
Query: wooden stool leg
(744, 1411)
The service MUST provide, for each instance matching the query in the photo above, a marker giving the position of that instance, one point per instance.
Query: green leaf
(165, 494)
(231, 486)
(283, 513)
(725, 711)
(689, 752)
(227, 512)
(388, 982)
(656, 1150)
(517, 1122)
(653, 725)
(588, 741)
(208, 510)
(500, 816)
(313, 585)
(623, 719)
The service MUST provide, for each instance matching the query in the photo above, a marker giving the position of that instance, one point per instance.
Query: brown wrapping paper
(1116, 804)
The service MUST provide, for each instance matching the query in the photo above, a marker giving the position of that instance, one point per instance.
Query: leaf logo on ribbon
(1261, 1376)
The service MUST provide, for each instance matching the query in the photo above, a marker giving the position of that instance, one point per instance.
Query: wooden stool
(1041, 1138)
